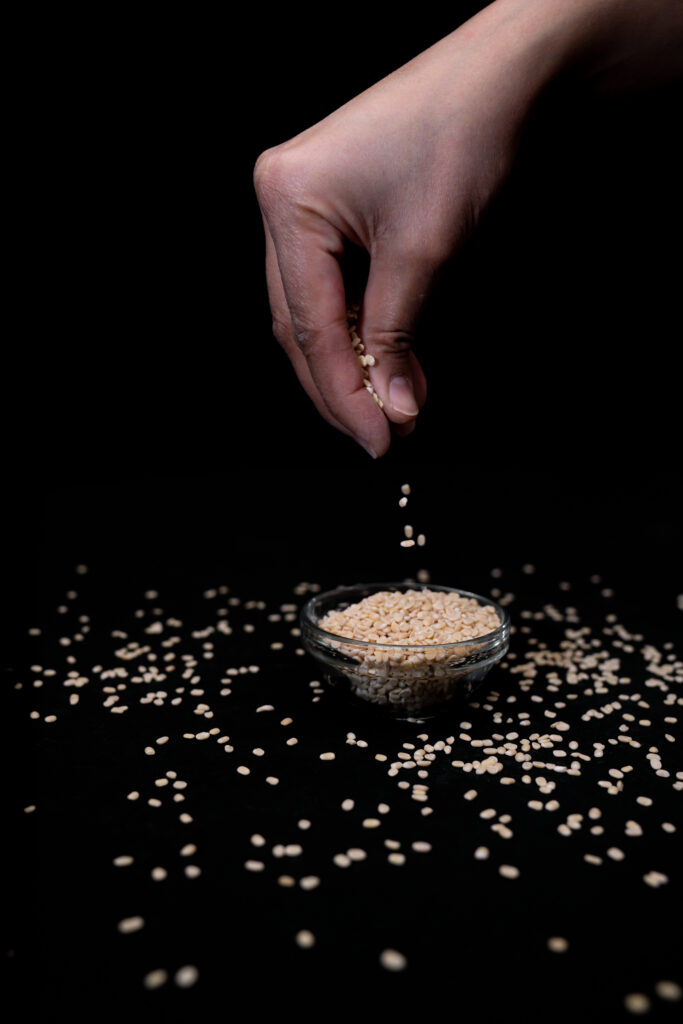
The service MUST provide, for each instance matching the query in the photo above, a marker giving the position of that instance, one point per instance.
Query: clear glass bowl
(407, 681)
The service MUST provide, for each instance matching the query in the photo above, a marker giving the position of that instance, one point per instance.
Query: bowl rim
(499, 633)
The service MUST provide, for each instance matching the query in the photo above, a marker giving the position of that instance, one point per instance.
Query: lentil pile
(413, 617)
(234, 782)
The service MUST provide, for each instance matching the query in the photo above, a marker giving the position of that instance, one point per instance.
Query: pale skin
(405, 170)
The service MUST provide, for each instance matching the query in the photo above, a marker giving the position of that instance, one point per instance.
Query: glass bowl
(406, 680)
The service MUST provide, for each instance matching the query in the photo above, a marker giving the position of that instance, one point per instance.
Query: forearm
(614, 43)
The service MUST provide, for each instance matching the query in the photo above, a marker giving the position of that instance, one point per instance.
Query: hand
(404, 171)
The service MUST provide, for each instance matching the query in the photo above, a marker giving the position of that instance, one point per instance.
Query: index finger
(314, 289)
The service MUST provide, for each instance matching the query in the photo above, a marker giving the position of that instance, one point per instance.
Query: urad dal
(419, 672)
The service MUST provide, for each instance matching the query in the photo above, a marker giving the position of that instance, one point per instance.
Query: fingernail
(401, 396)
(369, 450)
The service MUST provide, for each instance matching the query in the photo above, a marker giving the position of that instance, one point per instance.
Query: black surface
(155, 433)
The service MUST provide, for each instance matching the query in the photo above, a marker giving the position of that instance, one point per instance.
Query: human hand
(404, 171)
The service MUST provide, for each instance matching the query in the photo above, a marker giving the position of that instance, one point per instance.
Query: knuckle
(275, 176)
(306, 340)
(318, 339)
(392, 342)
(266, 175)
(281, 330)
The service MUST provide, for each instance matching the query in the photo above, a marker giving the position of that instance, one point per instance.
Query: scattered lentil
(155, 979)
(669, 990)
(186, 976)
(130, 924)
(637, 1002)
(392, 960)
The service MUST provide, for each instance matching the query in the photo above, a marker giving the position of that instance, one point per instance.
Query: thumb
(395, 294)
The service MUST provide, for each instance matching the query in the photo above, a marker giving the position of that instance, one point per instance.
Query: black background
(154, 430)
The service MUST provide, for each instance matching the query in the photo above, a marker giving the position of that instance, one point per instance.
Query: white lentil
(556, 944)
(508, 871)
(186, 976)
(669, 990)
(309, 882)
(392, 960)
(637, 1002)
(304, 939)
(123, 861)
(155, 979)
(655, 879)
(130, 924)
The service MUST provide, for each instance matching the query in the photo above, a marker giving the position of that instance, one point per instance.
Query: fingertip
(371, 452)
(404, 429)
(402, 396)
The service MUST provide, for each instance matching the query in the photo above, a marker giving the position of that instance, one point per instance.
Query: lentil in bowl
(408, 648)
